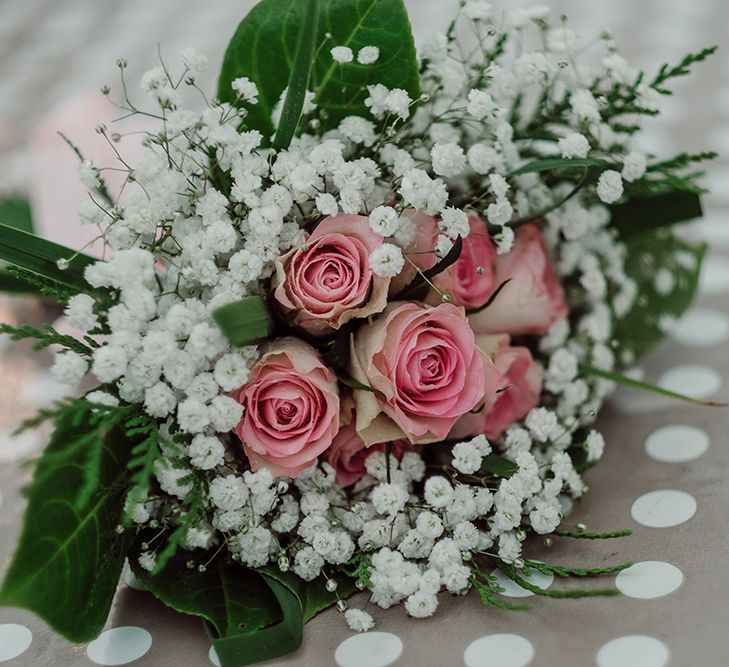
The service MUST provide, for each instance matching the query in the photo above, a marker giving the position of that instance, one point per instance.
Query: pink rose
(425, 370)
(291, 408)
(348, 454)
(328, 281)
(533, 299)
(470, 280)
(521, 387)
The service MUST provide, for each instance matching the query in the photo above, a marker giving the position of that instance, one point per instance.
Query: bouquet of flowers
(355, 319)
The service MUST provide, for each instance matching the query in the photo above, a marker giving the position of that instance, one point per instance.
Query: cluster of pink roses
(431, 371)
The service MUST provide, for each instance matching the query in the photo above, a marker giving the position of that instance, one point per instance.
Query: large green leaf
(649, 253)
(70, 555)
(264, 44)
(229, 596)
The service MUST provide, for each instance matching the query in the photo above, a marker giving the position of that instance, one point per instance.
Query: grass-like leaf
(552, 164)
(299, 78)
(245, 322)
(40, 256)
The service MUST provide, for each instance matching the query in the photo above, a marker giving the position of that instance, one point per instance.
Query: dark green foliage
(48, 336)
(70, 554)
(264, 44)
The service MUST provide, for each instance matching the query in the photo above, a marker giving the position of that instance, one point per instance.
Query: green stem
(643, 386)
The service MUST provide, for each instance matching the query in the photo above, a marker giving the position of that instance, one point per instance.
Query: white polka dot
(693, 380)
(663, 508)
(119, 646)
(714, 275)
(633, 651)
(213, 656)
(702, 327)
(676, 443)
(130, 579)
(649, 579)
(499, 651)
(513, 590)
(14, 640)
(566, 503)
(369, 649)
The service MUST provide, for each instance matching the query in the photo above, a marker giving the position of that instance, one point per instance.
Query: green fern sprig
(683, 68)
(49, 336)
(511, 572)
(46, 286)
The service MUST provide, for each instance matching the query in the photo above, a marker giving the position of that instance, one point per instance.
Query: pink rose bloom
(470, 280)
(426, 371)
(348, 454)
(521, 387)
(328, 280)
(534, 297)
(291, 408)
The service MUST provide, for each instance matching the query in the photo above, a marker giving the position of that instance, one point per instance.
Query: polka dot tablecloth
(666, 468)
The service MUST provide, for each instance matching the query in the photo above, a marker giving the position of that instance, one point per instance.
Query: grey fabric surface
(48, 49)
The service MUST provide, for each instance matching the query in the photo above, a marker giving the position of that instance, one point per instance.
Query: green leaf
(264, 44)
(649, 253)
(498, 465)
(312, 595)
(640, 214)
(15, 212)
(299, 78)
(231, 597)
(245, 322)
(67, 564)
(40, 256)
(645, 386)
(551, 164)
(267, 643)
